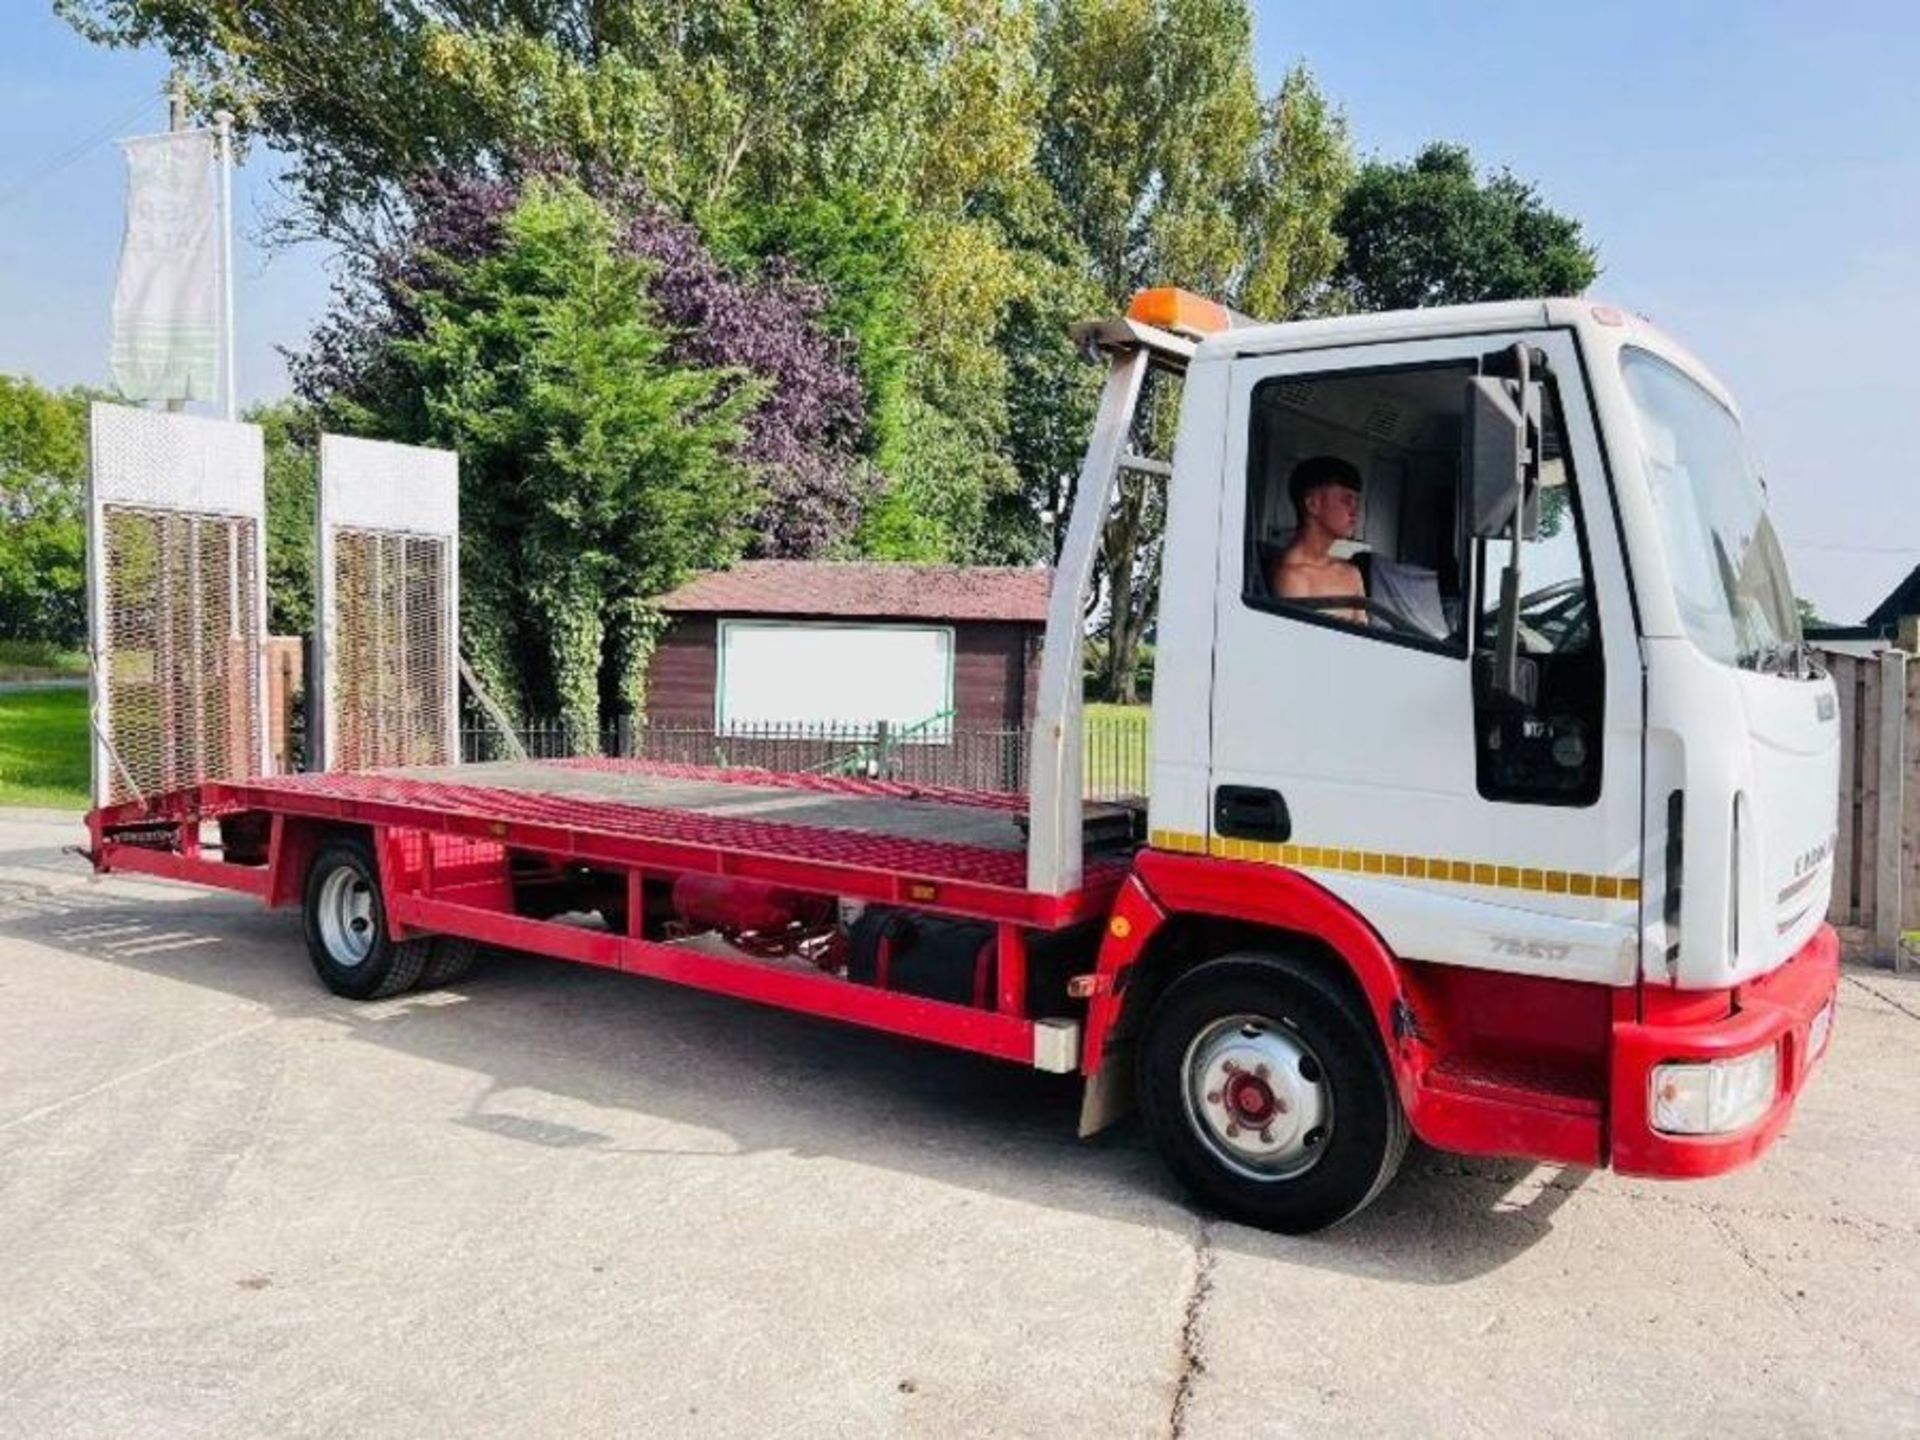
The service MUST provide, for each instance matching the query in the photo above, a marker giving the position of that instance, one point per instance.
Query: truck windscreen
(1723, 558)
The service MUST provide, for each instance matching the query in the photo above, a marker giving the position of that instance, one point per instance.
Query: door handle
(1250, 812)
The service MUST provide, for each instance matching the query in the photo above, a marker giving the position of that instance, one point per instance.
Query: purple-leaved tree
(807, 438)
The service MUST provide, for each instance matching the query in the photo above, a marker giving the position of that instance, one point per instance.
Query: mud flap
(1109, 1093)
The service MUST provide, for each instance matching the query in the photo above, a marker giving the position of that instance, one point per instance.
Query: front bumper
(1778, 1008)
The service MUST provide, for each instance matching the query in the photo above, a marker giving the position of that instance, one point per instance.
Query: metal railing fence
(1116, 763)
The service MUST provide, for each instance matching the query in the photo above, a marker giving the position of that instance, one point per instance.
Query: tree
(1431, 232)
(1170, 168)
(856, 247)
(805, 434)
(710, 102)
(597, 469)
(715, 107)
(291, 433)
(43, 466)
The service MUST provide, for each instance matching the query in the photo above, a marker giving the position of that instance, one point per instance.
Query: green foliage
(292, 435)
(44, 756)
(43, 466)
(952, 465)
(41, 660)
(1169, 168)
(1302, 169)
(857, 247)
(1431, 232)
(1151, 117)
(710, 102)
(595, 472)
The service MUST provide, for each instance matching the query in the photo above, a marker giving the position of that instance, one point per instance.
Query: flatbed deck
(945, 850)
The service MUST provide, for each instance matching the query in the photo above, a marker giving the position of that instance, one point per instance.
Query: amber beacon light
(1180, 311)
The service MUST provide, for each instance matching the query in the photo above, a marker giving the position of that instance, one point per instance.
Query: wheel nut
(1266, 1137)
(1213, 1097)
(1262, 1071)
(1233, 1131)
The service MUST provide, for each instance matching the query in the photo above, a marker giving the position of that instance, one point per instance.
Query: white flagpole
(223, 119)
(176, 121)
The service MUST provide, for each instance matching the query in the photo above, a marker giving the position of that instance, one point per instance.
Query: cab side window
(1354, 514)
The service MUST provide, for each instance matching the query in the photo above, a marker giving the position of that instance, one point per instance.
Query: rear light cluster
(1715, 1097)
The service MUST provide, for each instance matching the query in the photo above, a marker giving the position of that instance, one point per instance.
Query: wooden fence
(1876, 894)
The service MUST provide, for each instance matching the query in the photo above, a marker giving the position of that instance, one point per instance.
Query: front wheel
(346, 923)
(1266, 1091)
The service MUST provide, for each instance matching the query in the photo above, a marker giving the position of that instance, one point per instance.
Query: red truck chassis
(1482, 1062)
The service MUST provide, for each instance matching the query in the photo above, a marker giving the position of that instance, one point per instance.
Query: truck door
(1349, 738)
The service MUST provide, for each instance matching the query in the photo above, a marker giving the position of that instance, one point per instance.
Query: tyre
(449, 959)
(1265, 1090)
(346, 925)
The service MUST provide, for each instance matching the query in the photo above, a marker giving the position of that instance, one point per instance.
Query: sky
(1749, 171)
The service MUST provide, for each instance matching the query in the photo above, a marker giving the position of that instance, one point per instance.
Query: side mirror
(1502, 476)
(1500, 444)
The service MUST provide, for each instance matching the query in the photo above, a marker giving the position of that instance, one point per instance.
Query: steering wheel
(1376, 608)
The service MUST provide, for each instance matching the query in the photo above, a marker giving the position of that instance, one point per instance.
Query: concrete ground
(557, 1201)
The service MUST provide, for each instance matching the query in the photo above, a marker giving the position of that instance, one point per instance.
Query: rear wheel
(346, 925)
(450, 958)
(1265, 1089)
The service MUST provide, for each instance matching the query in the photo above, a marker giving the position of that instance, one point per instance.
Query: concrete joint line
(1192, 1355)
(1901, 1006)
(54, 1106)
(1725, 1229)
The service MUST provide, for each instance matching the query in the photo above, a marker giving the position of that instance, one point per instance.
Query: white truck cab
(1554, 797)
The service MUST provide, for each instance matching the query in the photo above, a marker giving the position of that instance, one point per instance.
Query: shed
(932, 650)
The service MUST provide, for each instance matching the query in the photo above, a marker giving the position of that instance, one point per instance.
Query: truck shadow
(544, 1035)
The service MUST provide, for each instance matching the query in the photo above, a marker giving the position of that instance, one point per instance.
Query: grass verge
(40, 660)
(43, 749)
(1117, 757)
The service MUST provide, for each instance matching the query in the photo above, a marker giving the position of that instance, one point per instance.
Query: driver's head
(1326, 491)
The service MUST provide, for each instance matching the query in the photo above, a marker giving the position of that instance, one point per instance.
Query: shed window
(849, 677)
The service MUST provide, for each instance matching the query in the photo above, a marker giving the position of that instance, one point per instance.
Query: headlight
(1715, 1097)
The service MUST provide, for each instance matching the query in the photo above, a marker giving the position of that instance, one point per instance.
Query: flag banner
(166, 297)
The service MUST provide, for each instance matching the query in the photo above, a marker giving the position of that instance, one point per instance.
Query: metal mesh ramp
(389, 605)
(176, 511)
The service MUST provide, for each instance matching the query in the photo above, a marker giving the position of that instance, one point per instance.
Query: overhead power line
(1850, 549)
(78, 151)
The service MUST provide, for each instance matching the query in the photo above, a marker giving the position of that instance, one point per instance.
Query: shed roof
(1903, 599)
(868, 590)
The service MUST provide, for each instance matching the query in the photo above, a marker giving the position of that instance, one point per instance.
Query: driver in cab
(1326, 497)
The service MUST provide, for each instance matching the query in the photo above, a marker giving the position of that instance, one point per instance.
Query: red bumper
(1777, 1009)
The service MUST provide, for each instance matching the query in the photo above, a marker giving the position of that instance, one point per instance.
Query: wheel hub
(345, 913)
(1257, 1095)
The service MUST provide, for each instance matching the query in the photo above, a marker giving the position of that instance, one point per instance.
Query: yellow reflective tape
(1480, 873)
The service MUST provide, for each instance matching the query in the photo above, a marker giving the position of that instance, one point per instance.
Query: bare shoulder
(1290, 577)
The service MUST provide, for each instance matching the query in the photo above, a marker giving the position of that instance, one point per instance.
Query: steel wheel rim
(345, 915)
(1257, 1096)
